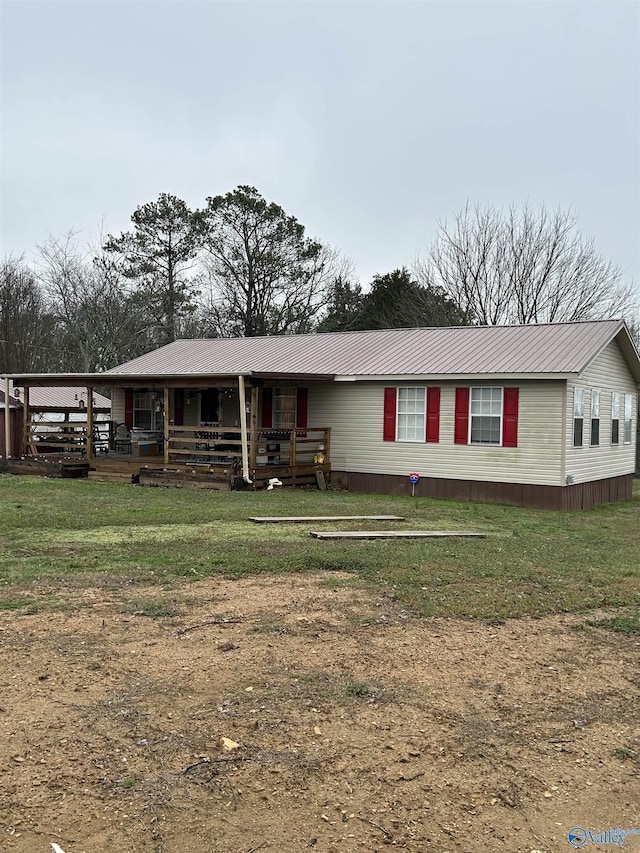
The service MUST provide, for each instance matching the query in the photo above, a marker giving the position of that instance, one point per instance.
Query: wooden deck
(154, 471)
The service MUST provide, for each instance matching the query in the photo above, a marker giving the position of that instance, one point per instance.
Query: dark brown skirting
(577, 496)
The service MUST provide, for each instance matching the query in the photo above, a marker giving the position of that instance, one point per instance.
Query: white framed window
(595, 418)
(284, 407)
(578, 416)
(615, 418)
(411, 414)
(147, 410)
(485, 415)
(628, 418)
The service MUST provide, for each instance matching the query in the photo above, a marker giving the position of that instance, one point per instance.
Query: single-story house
(538, 415)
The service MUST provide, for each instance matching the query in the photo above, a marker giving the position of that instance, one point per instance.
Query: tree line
(241, 266)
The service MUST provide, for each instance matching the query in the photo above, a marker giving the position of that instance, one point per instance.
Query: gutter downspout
(7, 420)
(243, 431)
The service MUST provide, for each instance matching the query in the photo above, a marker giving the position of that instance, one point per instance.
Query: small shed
(50, 404)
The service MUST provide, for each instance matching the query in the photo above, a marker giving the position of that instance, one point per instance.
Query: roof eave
(44, 380)
(456, 377)
(145, 379)
(295, 377)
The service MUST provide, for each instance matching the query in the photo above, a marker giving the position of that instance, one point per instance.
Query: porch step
(184, 479)
(112, 477)
(126, 465)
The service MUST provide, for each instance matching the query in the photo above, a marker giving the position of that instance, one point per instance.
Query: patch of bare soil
(349, 725)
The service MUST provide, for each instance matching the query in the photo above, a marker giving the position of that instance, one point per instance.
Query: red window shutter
(302, 406)
(178, 407)
(267, 407)
(433, 414)
(389, 419)
(510, 417)
(128, 408)
(461, 424)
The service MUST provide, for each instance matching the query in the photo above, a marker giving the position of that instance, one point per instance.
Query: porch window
(578, 416)
(147, 410)
(595, 418)
(628, 417)
(615, 418)
(485, 412)
(284, 408)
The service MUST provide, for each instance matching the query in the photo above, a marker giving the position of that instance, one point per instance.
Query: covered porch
(238, 433)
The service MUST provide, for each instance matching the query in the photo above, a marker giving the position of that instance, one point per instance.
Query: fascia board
(55, 379)
(456, 377)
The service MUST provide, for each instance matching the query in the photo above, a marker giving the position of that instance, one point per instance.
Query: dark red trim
(461, 422)
(433, 415)
(128, 408)
(302, 407)
(178, 407)
(267, 407)
(389, 417)
(510, 417)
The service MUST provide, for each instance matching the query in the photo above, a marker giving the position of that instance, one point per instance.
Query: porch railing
(222, 444)
(67, 436)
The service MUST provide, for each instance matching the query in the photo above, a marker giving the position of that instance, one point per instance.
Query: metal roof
(560, 349)
(55, 398)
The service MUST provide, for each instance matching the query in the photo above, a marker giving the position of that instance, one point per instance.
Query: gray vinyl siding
(354, 411)
(117, 405)
(609, 372)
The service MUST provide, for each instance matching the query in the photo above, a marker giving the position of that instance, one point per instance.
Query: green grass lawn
(60, 533)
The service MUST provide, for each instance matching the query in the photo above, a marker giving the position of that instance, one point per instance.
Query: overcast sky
(368, 121)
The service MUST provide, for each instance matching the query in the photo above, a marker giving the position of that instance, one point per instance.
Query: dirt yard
(297, 713)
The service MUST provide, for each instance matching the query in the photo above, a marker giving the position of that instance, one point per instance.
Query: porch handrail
(222, 440)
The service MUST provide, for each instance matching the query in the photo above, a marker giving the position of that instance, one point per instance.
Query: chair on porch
(122, 439)
(203, 439)
(100, 438)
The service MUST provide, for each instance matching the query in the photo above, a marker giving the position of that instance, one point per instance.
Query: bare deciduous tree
(522, 266)
(633, 322)
(102, 322)
(28, 339)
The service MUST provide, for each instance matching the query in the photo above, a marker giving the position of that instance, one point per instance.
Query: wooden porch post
(25, 422)
(89, 423)
(243, 428)
(327, 444)
(7, 420)
(165, 426)
(254, 428)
